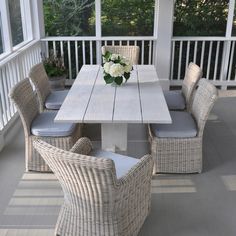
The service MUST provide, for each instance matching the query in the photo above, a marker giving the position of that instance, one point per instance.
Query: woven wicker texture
(192, 76)
(184, 155)
(39, 78)
(130, 52)
(96, 203)
(26, 103)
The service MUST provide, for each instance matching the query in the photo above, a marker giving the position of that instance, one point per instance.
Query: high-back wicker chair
(96, 202)
(48, 99)
(130, 52)
(27, 105)
(177, 148)
(182, 99)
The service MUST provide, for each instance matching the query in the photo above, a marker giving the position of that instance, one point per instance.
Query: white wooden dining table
(90, 100)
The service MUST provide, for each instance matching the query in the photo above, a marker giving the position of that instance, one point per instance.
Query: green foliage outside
(127, 18)
(200, 17)
(68, 17)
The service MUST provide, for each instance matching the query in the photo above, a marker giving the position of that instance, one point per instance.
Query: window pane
(234, 22)
(200, 18)
(127, 18)
(69, 17)
(16, 22)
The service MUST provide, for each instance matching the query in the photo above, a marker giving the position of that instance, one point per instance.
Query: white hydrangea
(115, 56)
(107, 66)
(127, 68)
(116, 70)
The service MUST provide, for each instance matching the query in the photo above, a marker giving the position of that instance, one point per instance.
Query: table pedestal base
(114, 137)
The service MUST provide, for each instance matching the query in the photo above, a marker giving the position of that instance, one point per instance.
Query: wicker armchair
(27, 105)
(48, 99)
(130, 52)
(182, 99)
(96, 202)
(177, 148)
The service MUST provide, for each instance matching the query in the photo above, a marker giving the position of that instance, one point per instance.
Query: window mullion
(26, 19)
(6, 26)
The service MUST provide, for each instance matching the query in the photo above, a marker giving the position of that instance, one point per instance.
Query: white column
(38, 19)
(227, 43)
(6, 27)
(98, 31)
(164, 31)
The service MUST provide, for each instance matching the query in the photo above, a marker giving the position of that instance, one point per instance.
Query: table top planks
(90, 100)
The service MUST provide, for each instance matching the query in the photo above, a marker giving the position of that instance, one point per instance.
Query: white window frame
(26, 18)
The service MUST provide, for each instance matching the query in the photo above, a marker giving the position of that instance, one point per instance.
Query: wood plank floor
(182, 205)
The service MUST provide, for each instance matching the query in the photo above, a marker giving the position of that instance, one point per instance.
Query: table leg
(114, 137)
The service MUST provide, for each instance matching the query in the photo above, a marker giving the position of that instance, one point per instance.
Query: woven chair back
(26, 103)
(192, 76)
(84, 179)
(203, 102)
(130, 52)
(39, 78)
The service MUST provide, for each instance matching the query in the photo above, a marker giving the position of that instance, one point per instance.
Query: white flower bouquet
(116, 67)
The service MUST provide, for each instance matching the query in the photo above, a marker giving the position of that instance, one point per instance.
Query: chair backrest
(39, 78)
(130, 52)
(203, 102)
(87, 182)
(26, 103)
(192, 76)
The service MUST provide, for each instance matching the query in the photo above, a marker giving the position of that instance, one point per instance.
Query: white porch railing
(12, 70)
(215, 55)
(78, 51)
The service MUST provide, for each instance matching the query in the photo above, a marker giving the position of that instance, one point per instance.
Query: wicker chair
(182, 99)
(27, 105)
(177, 148)
(49, 100)
(130, 52)
(96, 201)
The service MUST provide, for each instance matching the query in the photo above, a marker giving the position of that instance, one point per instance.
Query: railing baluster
(135, 42)
(180, 59)
(69, 59)
(91, 52)
(202, 54)
(187, 55)
(62, 52)
(150, 53)
(172, 60)
(231, 61)
(209, 60)
(83, 47)
(54, 48)
(195, 51)
(76, 57)
(142, 55)
(216, 61)
(3, 98)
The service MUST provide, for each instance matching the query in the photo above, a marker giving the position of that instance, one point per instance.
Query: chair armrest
(82, 146)
(143, 167)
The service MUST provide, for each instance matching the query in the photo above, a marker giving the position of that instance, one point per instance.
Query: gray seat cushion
(122, 163)
(183, 126)
(44, 125)
(55, 99)
(175, 100)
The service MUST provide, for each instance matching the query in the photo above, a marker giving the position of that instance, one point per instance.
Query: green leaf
(118, 80)
(108, 79)
(126, 75)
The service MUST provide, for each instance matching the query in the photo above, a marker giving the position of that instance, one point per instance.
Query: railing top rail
(18, 52)
(196, 38)
(94, 38)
